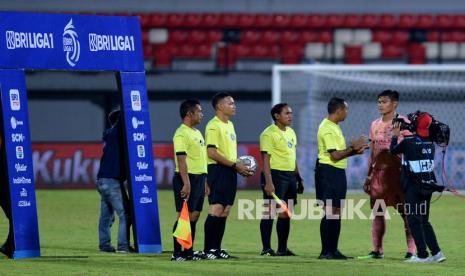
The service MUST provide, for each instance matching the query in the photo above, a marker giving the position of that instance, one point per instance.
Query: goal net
(439, 90)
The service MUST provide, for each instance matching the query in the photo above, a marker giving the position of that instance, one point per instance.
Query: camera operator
(416, 176)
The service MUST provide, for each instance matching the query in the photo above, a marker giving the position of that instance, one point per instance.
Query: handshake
(360, 145)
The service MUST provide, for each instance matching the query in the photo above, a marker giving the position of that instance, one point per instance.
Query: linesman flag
(183, 232)
(282, 204)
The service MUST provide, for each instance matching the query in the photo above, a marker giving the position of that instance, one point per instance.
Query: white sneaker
(438, 258)
(415, 259)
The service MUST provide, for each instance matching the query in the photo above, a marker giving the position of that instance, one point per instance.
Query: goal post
(437, 89)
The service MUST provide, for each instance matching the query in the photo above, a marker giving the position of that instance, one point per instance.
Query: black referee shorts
(197, 195)
(223, 184)
(285, 185)
(330, 184)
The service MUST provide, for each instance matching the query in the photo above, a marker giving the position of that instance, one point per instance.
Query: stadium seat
(454, 36)
(246, 20)
(382, 36)
(178, 36)
(193, 20)
(388, 21)
(203, 51)
(158, 20)
(370, 21)
(361, 36)
(263, 20)
(162, 56)
(400, 37)
(157, 36)
(392, 51)
(144, 20)
(352, 21)
(211, 20)
(444, 21)
(270, 37)
(228, 20)
(416, 53)
(213, 36)
(250, 37)
(298, 20)
(432, 36)
(432, 50)
(145, 37)
(407, 21)
(353, 54)
(316, 21)
(343, 36)
(371, 51)
(315, 50)
(197, 37)
(290, 37)
(308, 36)
(185, 50)
(291, 54)
(175, 20)
(462, 51)
(325, 36)
(281, 20)
(458, 21)
(335, 21)
(449, 50)
(147, 50)
(425, 21)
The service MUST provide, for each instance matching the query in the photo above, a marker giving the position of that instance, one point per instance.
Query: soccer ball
(249, 161)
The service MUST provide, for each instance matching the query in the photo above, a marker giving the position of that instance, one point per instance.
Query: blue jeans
(111, 201)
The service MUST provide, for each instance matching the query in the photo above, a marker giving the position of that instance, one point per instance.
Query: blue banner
(140, 158)
(70, 42)
(17, 141)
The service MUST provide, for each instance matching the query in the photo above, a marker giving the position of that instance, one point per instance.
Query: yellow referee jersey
(223, 137)
(330, 138)
(190, 141)
(281, 146)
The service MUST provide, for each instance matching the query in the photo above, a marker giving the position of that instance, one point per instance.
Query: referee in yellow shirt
(189, 180)
(330, 175)
(221, 142)
(280, 175)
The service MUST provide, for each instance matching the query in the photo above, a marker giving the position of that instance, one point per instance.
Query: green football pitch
(68, 234)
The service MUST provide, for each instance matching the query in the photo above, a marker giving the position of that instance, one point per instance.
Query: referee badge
(289, 144)
(233, 137)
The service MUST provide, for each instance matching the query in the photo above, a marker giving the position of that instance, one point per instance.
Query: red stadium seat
(308, 36)
(259, 51)
(197, 37)
(228, 20)
(263, 20)
(250, 37)
(281, 20)
(326, 37)
(144, 20)
(425, 21)
(145, 37)
(353, 55)
(211, 20)
(335, 21)
(382, 36)
(400, 37)
(240, 50)
(298, 21)
(175, 20)
(292, 54)
(246, 20)
(388, 21)
(213, 36)
(459, 21)
(147, 50)
(432, 36)
(370, 21)
(270, 37)
(193, 20)
(407, 21)
(158, 20)
(289, 37)
(417, 54)
(454, 36)
(352, 20)
(186, 50)
(177, 36)
(392, 52)
(163, 55)
(316, 21)
(444, 21)
(203, 51)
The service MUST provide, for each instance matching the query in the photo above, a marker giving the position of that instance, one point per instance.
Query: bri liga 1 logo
(71, 45)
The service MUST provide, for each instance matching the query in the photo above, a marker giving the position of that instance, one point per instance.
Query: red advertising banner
(75, 165)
